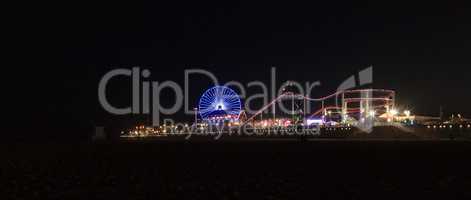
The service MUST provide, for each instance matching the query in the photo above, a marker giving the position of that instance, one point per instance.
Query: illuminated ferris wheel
(219, 102)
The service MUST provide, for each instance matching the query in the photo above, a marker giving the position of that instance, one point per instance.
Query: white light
(372, 113)
(407, 113)
(315, 121)
(393, 112)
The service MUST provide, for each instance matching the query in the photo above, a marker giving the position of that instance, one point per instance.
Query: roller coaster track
(291, 95)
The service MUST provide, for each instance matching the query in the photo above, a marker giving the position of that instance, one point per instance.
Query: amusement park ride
(220, 105)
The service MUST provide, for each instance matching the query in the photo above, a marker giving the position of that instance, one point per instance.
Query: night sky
(421, 50)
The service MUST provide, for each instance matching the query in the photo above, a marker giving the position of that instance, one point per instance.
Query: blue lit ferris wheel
(220, 103)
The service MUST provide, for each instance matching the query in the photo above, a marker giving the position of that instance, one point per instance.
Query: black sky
(421, 50)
